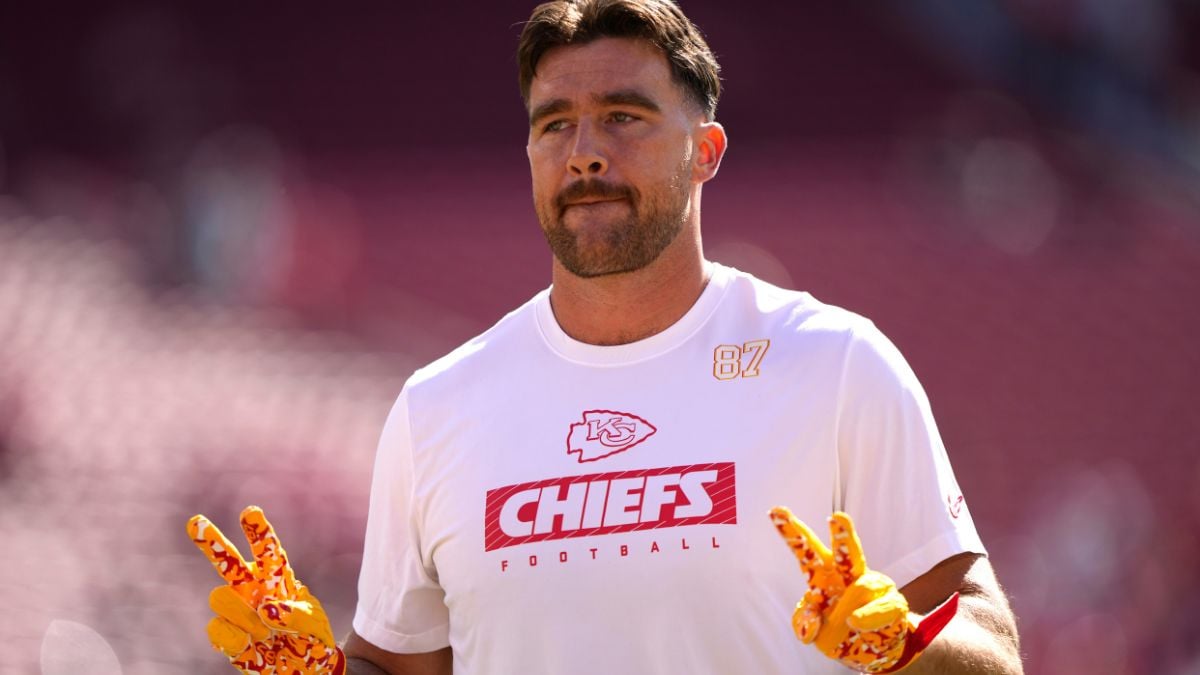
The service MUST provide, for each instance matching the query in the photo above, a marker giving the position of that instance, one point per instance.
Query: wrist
(927, 628)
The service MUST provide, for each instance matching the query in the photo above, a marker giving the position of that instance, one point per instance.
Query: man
(584, 487)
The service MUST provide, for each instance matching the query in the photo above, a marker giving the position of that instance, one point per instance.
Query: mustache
(597, 189)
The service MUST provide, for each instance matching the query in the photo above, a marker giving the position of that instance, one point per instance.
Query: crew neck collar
(619, 355)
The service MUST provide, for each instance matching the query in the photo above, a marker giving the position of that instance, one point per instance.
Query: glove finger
(807, 619)
(271, 560)
(260, 658)
(233, 608)
(227, 638)
(223, 555)
(302, 617)
(807, 547)
(848, 556)
(890, 611)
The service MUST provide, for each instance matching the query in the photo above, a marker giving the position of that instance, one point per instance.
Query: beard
(624, 243)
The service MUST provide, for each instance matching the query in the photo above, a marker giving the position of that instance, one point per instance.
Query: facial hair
(625, 245)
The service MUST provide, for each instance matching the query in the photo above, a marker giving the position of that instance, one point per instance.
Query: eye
(621, 117)
(556, 125)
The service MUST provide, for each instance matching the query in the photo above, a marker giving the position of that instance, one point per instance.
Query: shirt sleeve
(894, 476)
(401, 607)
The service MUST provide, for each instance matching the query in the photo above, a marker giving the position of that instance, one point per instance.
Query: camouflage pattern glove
(267, 622)
(854, 615)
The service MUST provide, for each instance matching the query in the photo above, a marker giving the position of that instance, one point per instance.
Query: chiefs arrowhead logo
(955, 506)
(606, 432)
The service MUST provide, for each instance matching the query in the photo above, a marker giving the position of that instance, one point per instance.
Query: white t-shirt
(548, 506)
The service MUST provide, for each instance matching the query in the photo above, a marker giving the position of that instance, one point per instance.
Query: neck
(622, 308)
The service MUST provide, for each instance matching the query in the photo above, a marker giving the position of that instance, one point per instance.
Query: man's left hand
(852, 614)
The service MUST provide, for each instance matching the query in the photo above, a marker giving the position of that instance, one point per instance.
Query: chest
(650, 482)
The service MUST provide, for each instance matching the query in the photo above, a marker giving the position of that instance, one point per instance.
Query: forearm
(361, 667)
(364, 658)
(978, 640)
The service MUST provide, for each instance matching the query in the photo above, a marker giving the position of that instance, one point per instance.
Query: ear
(710, 148)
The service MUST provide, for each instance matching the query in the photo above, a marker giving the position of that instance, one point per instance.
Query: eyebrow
(627, 97)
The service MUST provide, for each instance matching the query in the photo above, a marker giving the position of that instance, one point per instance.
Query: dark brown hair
(659, 22)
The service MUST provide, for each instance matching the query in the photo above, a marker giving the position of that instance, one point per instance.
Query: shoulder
(819, 338)
(511, 338)
(792, 312)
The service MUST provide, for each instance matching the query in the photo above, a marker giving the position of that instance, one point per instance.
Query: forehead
(602, 65)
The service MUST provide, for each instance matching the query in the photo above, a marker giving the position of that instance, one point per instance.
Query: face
(611, 150)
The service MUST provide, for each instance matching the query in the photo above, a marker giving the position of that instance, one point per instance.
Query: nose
(587, 158)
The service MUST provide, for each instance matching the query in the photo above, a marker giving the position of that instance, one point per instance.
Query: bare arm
(364, 658)
(982, 637)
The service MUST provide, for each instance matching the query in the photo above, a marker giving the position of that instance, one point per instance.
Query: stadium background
(228, 232)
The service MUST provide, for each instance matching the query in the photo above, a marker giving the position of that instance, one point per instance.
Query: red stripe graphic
(645, 499)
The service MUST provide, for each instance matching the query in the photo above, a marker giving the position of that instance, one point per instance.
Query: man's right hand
(267, 622)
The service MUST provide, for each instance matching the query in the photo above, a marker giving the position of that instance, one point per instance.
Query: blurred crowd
(209, 297)
(122, 412)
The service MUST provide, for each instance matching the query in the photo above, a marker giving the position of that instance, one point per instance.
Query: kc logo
(954, 506)
(606, 432)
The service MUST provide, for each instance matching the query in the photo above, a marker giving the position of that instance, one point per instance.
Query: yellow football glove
(854, 615)
(267, 622)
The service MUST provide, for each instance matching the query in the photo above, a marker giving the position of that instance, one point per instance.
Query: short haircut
(659, 22)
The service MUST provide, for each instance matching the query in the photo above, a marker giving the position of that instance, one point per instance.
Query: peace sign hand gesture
(267, 622)
(854, 615)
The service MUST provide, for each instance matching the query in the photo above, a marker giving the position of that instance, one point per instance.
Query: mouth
(594, 200)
